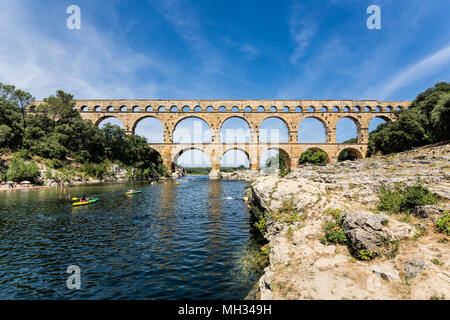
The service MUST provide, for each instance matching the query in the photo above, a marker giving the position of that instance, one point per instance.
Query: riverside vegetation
(58, 145)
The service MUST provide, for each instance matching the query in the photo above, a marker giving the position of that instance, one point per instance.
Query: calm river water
(194, 240)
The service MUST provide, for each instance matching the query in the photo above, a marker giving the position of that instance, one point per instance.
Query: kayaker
(84, 198)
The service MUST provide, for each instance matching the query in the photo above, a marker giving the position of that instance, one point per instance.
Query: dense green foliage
(427, 121)
(333, 228)
(21, 170)
(315, 157)
(60, 134)
(403, 198)
(443, 223)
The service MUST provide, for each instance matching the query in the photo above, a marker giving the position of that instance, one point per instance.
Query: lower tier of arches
(170, 152)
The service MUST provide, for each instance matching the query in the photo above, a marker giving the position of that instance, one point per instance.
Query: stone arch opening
(198, 109)
(270, 158)
(192, 130)
(98, 109)
(367, 109)
(150, 128)
(335, 109)
(109, 120)
(84, 109)
(248, 109)
(273, 130)
(273, 109)
(346, 109)
(234, 158)
(235, 109)
(312, 130)
(349, 154)
(311, 109)
(173, 109)
(149, 109)
(186, 109)
(377, 121)
(123, 109)
(298, 109)
(314, 156)
(191, 157)
(235, 130)
(209, 109)
(356, 109)
(110, 109)
(222, 109)
(286, 109)
(162, 109)
(347, 129)
(261, 109)
(377, 109)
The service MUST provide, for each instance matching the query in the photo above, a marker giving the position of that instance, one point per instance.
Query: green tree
(427, 121)
(315, 157)
(19, 170)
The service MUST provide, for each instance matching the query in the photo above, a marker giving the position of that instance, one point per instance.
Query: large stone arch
(358, 154)
(314, 148)
(287, 156)
(177, 152)
(257, 130)
(191, 115)
(362, 133)
(211, 127)
(225, 119)
(136, 122)
(100, 119)
(324, 123)
(235, 148)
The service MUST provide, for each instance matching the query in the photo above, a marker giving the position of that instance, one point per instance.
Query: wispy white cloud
(302, 29)
(421, 69)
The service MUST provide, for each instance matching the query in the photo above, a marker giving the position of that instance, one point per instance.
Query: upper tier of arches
(280, 106)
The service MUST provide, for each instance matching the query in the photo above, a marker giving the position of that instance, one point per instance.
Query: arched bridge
(216, 112)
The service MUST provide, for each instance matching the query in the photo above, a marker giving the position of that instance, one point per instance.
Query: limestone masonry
(254, 112)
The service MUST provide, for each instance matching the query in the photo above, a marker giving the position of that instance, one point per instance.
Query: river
(192, 240)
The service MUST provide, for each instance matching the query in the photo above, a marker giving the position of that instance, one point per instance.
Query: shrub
(261, 224)
(416, 195)
(19, 170)
(315, 157)
(405, 198)
(443, 223)
(55, 164)
(333, 229)
(366, 255)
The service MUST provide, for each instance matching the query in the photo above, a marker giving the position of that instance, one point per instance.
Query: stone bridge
(254, 112)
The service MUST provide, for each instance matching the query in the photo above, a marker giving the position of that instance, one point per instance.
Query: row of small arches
(246, 109)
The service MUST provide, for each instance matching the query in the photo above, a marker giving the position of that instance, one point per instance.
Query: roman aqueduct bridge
(254, 112)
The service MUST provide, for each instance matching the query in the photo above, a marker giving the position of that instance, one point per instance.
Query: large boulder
(366, 231)
(413, 267)
(429, 211)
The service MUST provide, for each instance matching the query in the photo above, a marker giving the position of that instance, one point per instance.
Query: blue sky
(225, 49)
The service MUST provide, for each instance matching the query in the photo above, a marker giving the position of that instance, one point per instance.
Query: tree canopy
(426, 121)
(58, 132)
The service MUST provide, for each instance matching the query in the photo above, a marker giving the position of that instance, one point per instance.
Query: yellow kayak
(85, 202)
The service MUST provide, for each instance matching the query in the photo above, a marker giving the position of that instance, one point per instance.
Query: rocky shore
(384, 256)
